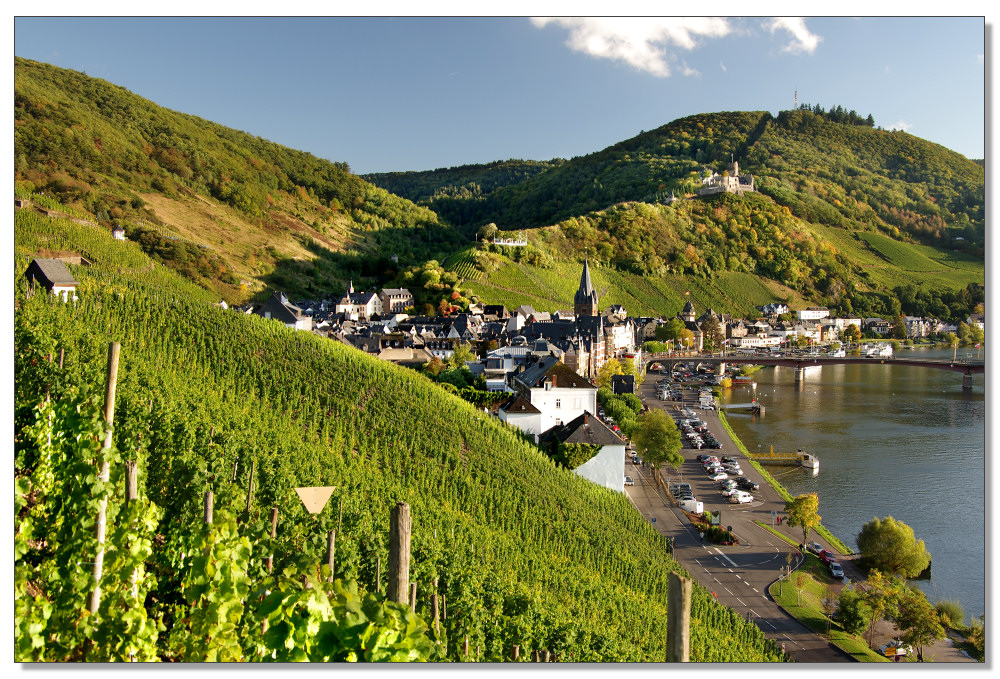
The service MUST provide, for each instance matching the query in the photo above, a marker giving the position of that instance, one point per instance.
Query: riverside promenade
(739, 575)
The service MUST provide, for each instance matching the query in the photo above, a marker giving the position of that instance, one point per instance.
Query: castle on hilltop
(731, 182)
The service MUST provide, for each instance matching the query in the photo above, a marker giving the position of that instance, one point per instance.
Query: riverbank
(821, 530)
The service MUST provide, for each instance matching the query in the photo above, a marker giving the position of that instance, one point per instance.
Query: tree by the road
(851, 333)
(670, 330)
(803, 511)
(919, 620)
(610, 368)
(891, 547)
(853, 612)
(657, 439)
(882, 594)
(711, 335)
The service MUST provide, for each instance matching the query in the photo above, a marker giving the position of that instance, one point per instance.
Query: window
(558, 403)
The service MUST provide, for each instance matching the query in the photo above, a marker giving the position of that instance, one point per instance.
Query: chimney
(553, 380)
(586, 418)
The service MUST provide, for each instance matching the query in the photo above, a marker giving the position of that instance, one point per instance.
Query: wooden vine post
(678, 618)
(399, 553)
(131, 482)
(111, 385)
(413, 597)
(274, 528)
(515, 652)
(378, 574)
(253, 470)
(331, 550)
(209, 505)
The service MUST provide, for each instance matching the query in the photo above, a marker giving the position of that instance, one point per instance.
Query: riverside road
(740, 575)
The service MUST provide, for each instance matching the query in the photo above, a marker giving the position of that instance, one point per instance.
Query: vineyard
(521, 551)
(552, 288)
(899, 254)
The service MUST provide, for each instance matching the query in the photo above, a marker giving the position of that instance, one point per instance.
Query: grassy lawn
(834, 541)
(802, 597)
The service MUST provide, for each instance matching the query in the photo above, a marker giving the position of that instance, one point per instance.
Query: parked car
(728, 492)
(826, 556)
(894, 648)
(835, 570)
(815, 548)
(746, 484)
(629, 481)
(741, 497)
(719, 476)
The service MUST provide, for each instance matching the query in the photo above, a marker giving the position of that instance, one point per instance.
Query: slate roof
(49, 272)
(521, 406)
(586, 428)
(586, 293)
(550, 367)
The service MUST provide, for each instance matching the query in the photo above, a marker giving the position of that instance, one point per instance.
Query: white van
(740, 497)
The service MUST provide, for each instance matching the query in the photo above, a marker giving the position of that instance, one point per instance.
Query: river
(894, 441)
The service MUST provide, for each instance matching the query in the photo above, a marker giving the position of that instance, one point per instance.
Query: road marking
(728, 590)
(756, 590)
(741, 601)
(726, 557)
(731, 570)
(770, 625)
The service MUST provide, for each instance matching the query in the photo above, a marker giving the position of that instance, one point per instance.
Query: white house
(520, 413)
(279, 308)
(607, 466)
(813, 313)
(359, 305)
(556, 391)
(52, 275)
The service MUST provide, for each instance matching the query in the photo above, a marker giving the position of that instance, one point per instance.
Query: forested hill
(261, 213)
(464, 181)
(831, 170)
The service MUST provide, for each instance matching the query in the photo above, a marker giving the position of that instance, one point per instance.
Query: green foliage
(803, 511)
(657, 439)
(572, 455)
(211, 391)
(889, 546)
(951, 613)
(94, 147)
(853, 612)
(918, 620)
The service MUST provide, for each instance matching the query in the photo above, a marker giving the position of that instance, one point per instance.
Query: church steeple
(585, 301)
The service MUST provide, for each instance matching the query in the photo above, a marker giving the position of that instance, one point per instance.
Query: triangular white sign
(315, 497)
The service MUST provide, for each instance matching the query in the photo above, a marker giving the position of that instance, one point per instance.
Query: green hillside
(846, 213)
(523, 551)
(464, 181)
(272, 215)
(724, 252)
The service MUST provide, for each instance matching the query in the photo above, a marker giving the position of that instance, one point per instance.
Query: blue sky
(417, 93)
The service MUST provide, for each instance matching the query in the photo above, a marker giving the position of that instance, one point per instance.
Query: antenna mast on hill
(796, 100)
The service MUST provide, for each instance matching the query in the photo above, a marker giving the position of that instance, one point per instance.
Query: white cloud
(802, 39)
(687, 70)
(723, 67)
(901, 125)
(645, 44)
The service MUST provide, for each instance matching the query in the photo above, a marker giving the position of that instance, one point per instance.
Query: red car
(826, 556)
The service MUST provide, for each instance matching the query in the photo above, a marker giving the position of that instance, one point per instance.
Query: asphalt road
(739, 575)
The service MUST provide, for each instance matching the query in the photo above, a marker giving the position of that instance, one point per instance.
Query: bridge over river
(800, 363)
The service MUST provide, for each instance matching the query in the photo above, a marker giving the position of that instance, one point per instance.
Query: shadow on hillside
(371, 264)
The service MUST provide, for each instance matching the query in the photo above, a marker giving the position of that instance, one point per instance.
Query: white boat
(839, 353)
(879, 350)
